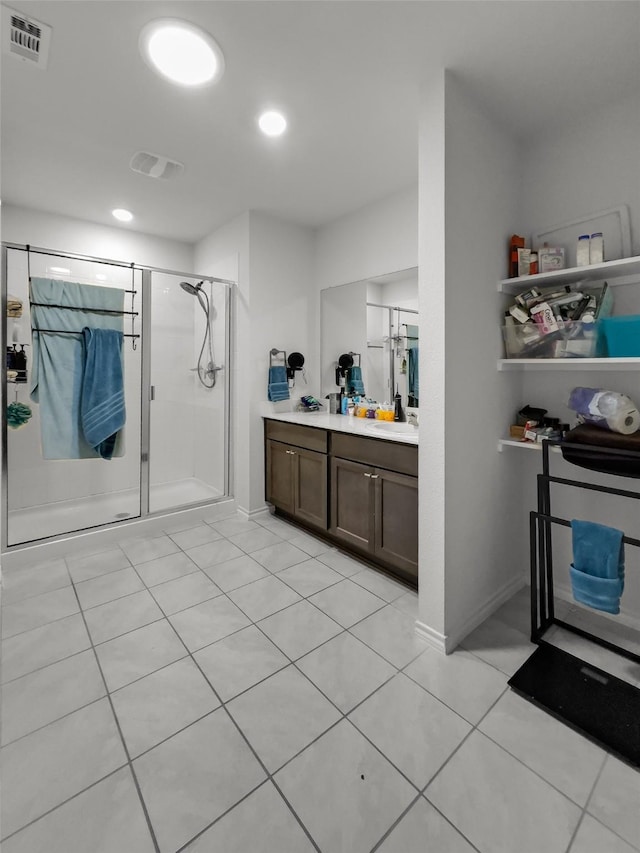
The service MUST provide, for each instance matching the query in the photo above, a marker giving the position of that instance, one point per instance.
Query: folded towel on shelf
(597, 571)
(354, 382)
(58, 360)
(102, 410)
(278, 387)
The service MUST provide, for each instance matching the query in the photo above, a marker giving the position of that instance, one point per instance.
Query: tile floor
(239, 687)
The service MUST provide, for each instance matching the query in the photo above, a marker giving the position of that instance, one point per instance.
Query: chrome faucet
(412, 418)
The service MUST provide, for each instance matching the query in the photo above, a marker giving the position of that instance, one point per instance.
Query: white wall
(472, 523)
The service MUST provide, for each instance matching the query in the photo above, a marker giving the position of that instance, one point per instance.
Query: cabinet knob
(374, 476)
(367, 475)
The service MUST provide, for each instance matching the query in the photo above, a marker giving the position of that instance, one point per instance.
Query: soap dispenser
(398, 414)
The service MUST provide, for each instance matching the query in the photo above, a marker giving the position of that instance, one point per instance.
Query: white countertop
(366, 427)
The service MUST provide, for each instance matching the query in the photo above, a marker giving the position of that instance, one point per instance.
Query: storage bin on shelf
(574, 339)
(621, 336)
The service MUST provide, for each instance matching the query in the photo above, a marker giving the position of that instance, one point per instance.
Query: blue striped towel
(355, 385)
(278, 387)
(102, 411)
(597, 572)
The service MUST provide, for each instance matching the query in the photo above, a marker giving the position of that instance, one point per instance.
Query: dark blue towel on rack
(278, 387)
(102, 410)
(355, 385)
(597, 571)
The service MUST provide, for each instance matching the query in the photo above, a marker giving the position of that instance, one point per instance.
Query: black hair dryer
(344, 363)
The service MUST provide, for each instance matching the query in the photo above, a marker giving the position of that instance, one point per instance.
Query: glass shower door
(188, 459)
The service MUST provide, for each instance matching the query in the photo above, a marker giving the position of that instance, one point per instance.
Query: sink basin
(395, 427)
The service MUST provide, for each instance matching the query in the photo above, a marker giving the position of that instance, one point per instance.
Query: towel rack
(274, 353)
(69, 332)
(82, 308)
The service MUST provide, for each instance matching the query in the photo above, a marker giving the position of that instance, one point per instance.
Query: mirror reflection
(376, 321)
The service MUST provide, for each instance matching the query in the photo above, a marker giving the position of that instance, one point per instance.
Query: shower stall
(173, 451)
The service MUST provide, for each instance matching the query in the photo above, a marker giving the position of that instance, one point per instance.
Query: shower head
(191, 288)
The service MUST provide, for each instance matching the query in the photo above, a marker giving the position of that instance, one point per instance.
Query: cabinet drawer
(299, 436)
(389, 455)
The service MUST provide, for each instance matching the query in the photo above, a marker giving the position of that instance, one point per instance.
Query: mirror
(376, 319)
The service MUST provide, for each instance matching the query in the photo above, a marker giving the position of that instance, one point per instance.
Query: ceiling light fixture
(122, 215)
(181, 52)
(272, 123)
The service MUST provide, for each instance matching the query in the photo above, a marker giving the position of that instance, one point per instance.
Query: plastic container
(621, 336)
(574, 339)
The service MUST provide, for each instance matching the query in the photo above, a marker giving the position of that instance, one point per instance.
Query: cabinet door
(352, 503)
(279, 479)
(396, 521)
(310, 486)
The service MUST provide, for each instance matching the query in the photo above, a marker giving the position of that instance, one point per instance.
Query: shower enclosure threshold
(52, 519)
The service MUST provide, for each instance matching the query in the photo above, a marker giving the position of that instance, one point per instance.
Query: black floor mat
(599, 705)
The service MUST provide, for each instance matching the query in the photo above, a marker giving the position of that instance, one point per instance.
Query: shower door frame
(146, 332)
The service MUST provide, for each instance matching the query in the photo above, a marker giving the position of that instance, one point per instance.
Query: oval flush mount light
(122, 215)
(272, 123)
(181, 52)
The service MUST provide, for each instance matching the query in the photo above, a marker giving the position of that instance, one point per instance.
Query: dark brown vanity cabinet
(374, 509)
(296, 471)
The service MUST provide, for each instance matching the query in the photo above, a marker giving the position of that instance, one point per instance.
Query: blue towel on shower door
(57, 366)
(278, 387)
(597, 571)
(102, 411)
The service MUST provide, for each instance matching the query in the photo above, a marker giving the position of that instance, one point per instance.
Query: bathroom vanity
(352, 480)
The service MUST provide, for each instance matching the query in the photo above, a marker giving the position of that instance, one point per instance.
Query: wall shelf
(563, 364)
(523, 445)
(623, 271)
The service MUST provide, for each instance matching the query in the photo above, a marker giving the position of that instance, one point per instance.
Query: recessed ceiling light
(272, 123)
(122, 214)
(181, 52)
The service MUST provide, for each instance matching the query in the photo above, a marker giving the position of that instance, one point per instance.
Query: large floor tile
(239, 661)
(232, 526)
(263, 597)
(499, 804)
(310, 544)
(106, 818)
(424, 829)
(27, 652)
(84, 567)
(166, 568)
(280, 556)
(282, 715)
(106, 588)
(143, 549)
(194, 536)
(347, 566)
(139, 653)
(408, 603)
(253, 540)
(615, 801)
(232, 574)
(460, 680)
(212, 553)
(207, 622)
(299, 629)
(184, 592)
(278, 526)
(379, 584)
(30, 702)
(262, 823)
(345, 670)
(121, 616)
(191, 779)
(415, 731)
(30, 613)
(392, 634)
(559, 754)
(26, 581)
(157, 706)
(499, 645)
(593, 837)
(47, 767)
(345, 792)
(309, 577)
(347, 603)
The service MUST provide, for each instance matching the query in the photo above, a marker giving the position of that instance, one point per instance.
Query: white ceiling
(347, 75)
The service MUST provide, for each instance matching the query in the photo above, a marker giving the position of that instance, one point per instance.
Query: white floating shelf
(568, 364)
(623, 271)
(524, 445)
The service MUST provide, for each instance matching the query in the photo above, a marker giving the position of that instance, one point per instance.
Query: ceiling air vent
(155, 165)
(25, 38)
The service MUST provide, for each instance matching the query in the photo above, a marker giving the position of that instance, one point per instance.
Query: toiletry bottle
(582, 252)
(398, 414)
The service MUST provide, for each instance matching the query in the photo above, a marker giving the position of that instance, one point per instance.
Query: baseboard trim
(434, 638)
(455, 637)
(253, 514)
